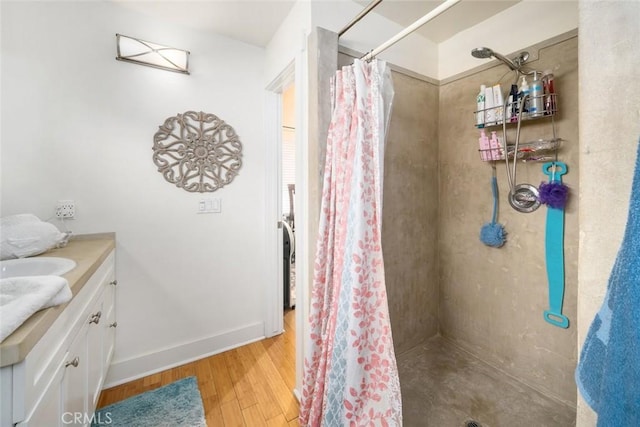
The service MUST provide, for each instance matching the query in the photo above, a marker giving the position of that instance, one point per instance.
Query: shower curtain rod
(361, 15)
(410, 29)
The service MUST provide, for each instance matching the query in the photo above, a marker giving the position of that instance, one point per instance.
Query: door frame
(274, 323)
(294, 73)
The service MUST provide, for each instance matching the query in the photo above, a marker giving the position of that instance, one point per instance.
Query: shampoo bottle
(536, 101)
(480, 108)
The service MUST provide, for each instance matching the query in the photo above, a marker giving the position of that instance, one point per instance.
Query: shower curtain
(350, 372)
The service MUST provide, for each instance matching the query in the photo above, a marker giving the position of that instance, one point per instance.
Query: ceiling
(463, 15)
(250, 21)
(255, 21)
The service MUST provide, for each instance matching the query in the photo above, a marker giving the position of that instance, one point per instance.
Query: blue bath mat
(178, 404)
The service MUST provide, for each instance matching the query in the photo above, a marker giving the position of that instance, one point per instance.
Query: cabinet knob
(114, 282)
(95, 318)
(114, 325)
(75, 362)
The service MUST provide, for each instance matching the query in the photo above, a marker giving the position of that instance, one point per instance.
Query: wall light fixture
(150, 54)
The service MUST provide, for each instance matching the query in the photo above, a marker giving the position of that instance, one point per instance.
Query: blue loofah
(493, 234)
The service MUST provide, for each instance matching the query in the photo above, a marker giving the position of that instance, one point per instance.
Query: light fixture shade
(150, 54)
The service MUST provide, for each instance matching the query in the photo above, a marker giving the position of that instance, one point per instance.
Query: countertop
(88, 251)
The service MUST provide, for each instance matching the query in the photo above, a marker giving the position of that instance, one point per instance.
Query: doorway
(286, 137)
(287, 190)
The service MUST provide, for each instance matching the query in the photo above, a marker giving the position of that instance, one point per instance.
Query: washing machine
(289, 266)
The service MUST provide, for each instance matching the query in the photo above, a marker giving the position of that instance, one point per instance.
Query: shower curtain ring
(369, 56)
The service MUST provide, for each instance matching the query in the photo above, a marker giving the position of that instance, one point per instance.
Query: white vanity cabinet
(59, 381)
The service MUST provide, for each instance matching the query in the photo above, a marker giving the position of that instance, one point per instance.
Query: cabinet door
(48, 410)
(64, 403)
(74, 381)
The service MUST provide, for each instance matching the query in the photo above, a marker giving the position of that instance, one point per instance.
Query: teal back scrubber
(554, 247)
(493, 234)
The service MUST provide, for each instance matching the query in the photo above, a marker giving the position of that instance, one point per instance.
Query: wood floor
(250, 386)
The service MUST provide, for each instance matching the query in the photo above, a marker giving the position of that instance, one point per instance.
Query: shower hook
(368, 57)
(522, 197)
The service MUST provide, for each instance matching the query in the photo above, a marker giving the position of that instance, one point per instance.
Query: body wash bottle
(489, 107)
(483, 143)
(496, 147)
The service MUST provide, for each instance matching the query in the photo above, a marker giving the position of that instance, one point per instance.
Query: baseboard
(123, 371)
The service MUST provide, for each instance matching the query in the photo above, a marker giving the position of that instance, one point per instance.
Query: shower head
(515, 64)
(482, 52)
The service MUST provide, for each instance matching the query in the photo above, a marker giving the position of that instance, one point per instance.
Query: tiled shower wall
(410, 212)
(491, 301)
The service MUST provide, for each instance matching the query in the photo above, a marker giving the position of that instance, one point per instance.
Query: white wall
(527, 23)
(288, 41)
(78, 124)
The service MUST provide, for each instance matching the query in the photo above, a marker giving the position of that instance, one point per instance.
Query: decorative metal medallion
(197, 151)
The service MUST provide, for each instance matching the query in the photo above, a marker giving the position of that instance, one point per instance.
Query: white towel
(20, 297)
(25, 235)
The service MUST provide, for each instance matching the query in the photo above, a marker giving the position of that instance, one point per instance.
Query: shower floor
(444, 386)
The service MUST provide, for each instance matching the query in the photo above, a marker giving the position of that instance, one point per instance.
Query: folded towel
(608, 373)
(25, 235)
(20, 297)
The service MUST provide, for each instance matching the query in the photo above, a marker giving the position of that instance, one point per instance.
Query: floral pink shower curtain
(350, 372)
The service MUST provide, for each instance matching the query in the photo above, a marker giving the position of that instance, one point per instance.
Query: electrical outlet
(66, 209)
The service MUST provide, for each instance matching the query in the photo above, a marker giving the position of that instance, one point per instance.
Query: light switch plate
(209, 206)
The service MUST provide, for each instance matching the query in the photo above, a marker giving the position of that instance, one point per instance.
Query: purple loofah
(554, 194)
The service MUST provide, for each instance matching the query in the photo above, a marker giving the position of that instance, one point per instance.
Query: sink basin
(37, 266)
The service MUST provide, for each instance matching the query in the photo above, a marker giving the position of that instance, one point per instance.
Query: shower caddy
(522, 197)
(525, 197)
(527, 151)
